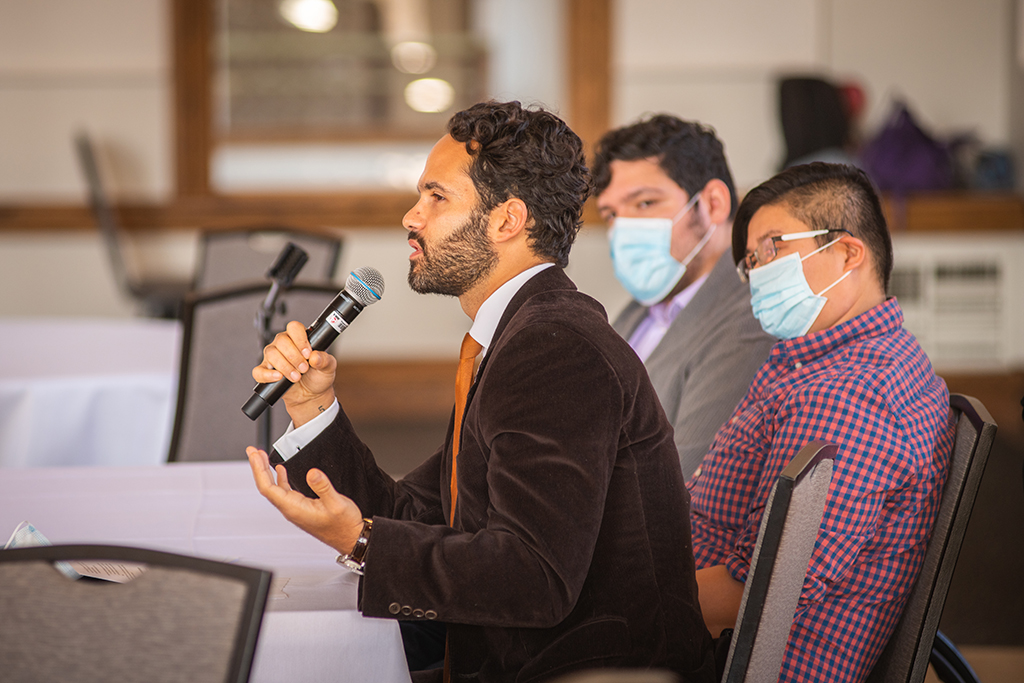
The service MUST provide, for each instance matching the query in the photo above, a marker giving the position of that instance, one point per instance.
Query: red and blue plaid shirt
(866, 386)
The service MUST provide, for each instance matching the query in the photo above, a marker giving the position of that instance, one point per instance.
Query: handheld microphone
(363, 287)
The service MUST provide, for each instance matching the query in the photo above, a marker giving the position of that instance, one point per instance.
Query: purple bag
(904, 158)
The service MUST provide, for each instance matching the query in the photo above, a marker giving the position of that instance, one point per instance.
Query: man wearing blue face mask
(814, 246)
(664, 187)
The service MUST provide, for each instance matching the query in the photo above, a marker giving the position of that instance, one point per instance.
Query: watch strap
(356, 560)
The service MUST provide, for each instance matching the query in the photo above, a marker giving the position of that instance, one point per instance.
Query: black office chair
(183, 619)
(220, 346)
(228, 258)
(916, 640)
(785, 541)
(158, 298)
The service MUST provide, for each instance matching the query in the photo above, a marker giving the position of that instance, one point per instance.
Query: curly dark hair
(825, 197)
(530, 154)
(687, 151)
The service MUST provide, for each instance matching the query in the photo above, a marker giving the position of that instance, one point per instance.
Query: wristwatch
(356, 560)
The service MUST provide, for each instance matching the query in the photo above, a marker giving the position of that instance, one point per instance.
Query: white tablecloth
(81, 391)
(311, 631)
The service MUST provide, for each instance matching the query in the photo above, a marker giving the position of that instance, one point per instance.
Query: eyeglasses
(766, 250)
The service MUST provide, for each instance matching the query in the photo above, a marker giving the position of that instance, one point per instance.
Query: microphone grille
(366, 285)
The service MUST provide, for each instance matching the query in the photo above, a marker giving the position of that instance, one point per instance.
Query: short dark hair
(824, 196)
(533, 155)
(687, 151)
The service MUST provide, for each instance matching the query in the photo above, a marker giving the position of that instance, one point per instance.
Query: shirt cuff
(297, 438)
(737, 566)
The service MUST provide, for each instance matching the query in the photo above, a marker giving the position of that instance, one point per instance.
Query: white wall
(97, 65)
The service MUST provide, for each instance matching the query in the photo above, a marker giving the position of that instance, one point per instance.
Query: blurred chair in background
(228, 258)
(183, 619)
(219, 349)
(157, 298)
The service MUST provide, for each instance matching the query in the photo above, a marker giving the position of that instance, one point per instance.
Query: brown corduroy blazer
(571, 542)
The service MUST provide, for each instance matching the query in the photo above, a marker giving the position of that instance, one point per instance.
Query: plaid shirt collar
(885, 318)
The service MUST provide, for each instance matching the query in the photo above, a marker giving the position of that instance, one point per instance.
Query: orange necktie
(463, 381)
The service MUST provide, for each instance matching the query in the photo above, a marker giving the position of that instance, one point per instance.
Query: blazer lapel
(548, 279)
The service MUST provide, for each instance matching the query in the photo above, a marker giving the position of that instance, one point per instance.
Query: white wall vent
(963, 297)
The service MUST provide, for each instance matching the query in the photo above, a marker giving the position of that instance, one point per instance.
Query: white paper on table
(118, 572)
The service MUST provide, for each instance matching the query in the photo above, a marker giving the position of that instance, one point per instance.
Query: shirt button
(418, 613)
(394, 608)
(430, 614)
(406, 610)
(798, 365)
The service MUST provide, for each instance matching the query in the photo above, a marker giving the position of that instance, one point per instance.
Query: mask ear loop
(841, 278)
(687, 207)
(700, 245)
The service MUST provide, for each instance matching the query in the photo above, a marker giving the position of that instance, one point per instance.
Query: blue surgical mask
(781, 298)
(642, 255)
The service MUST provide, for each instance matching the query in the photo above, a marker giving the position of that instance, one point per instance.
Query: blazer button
(418, 613)
(406, 610)
(430, 614)
(394, 608)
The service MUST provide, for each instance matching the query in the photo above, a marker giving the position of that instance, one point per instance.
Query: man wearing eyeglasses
(664, 187)
(813, 245)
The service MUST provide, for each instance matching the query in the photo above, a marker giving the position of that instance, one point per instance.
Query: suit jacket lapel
(546, 280)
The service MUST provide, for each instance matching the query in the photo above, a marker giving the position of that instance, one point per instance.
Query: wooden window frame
(588, 23)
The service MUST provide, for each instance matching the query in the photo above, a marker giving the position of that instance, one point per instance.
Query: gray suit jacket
(703, 365)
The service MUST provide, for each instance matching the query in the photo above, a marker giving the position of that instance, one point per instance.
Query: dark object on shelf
(903, 158)
(994, 170)
(815, 123)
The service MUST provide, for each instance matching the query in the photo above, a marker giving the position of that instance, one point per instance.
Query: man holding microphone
(527, 532)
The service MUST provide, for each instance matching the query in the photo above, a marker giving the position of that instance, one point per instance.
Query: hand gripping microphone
(363, 287)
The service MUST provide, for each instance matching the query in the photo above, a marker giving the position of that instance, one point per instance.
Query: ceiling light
(317, 16)
(429, 95)
(412, 57)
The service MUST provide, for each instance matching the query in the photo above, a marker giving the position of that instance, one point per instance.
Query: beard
(452, 266)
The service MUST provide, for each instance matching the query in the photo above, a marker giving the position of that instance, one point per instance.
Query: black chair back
(906, 655)
(220, 346)
(785, 541)
(183, 619)
(228, 258)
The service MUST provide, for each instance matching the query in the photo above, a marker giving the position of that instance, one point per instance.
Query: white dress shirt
(484, 326)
